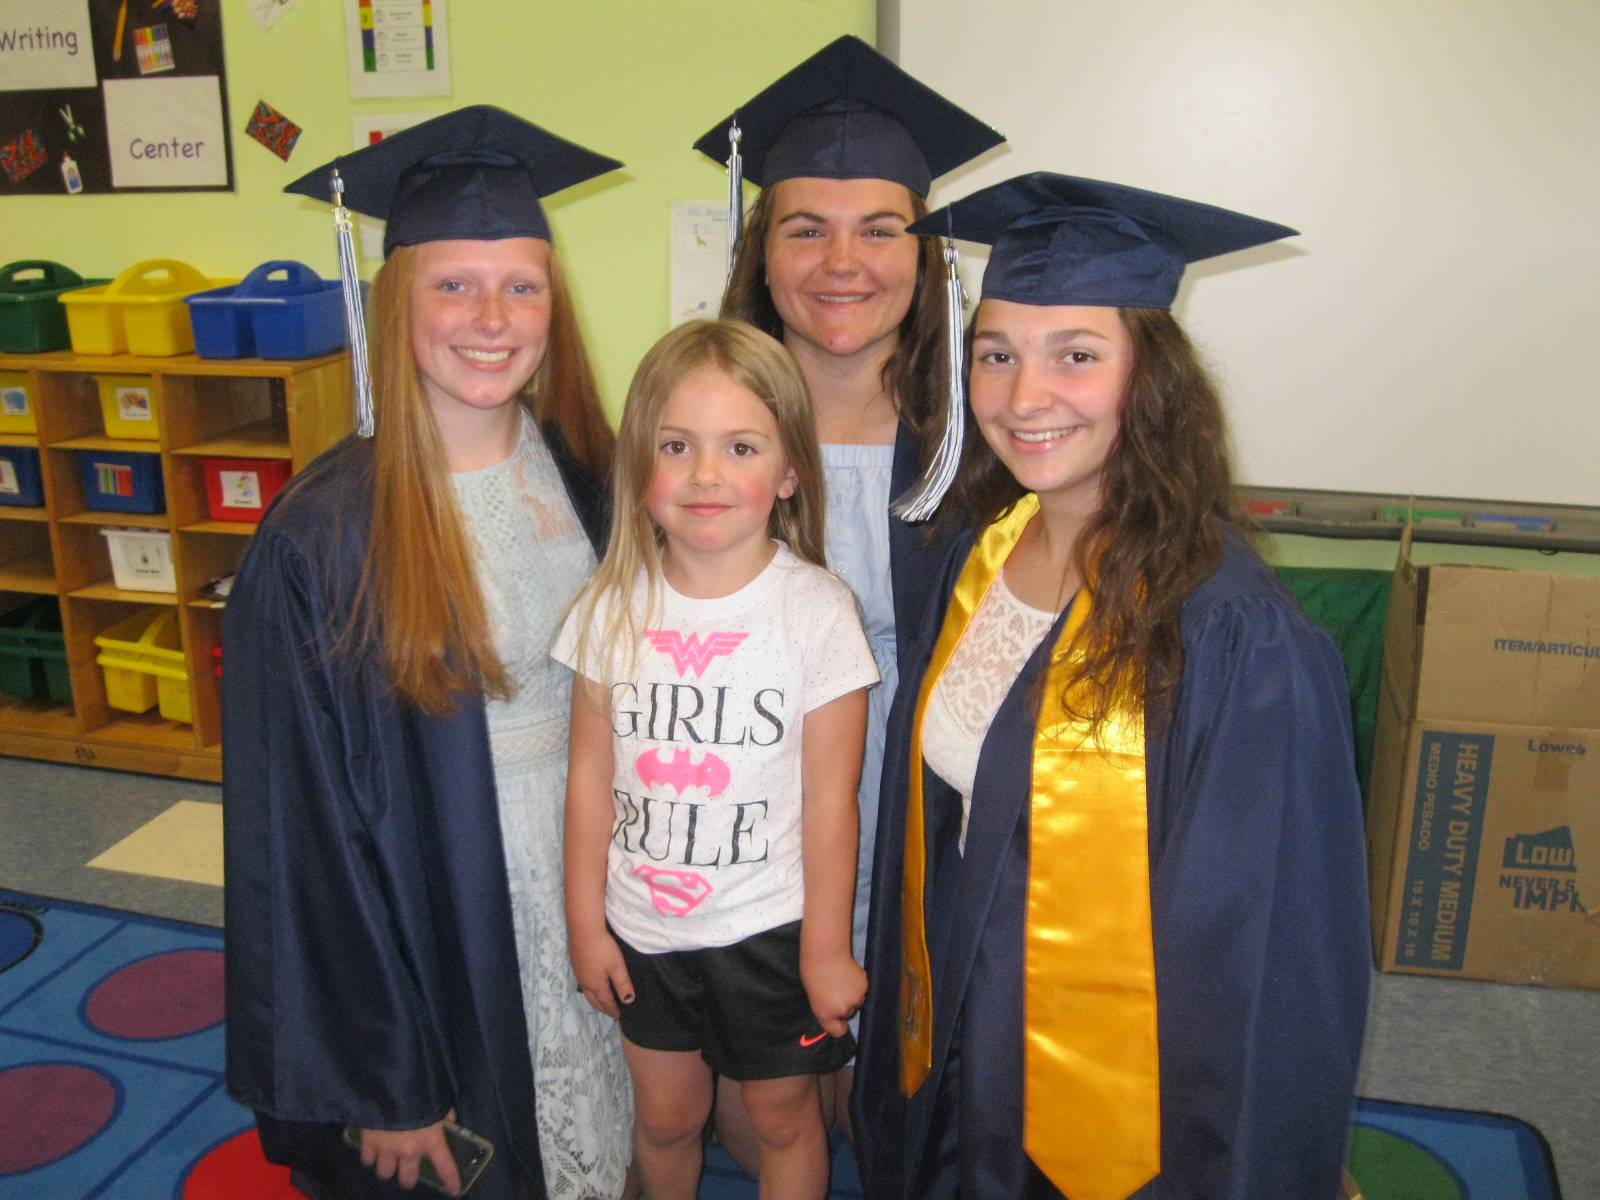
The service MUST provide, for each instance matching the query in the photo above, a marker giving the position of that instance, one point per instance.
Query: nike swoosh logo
(811, 1041)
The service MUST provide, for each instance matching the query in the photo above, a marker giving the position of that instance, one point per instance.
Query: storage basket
(122, 481)
(281, 310)
(239, 489)
(128, 407)
(33, 655)
(32, 320)
(142, 660)
(16, 404)
(141, 559)
(20, 482)
(140, 312)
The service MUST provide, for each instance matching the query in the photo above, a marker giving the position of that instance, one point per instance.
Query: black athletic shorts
(742, 1006)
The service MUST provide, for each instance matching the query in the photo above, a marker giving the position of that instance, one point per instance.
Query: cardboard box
(1483, 822)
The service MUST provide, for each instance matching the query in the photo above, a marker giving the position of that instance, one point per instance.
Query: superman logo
(674, 893)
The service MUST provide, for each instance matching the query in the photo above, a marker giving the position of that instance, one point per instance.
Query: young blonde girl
(718, 720)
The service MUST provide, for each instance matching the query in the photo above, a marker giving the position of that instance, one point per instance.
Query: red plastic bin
(239, 489)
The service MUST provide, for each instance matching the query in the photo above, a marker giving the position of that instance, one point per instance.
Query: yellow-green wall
(636, 79)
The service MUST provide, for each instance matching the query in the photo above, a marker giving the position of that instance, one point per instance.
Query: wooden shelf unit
(225, 408)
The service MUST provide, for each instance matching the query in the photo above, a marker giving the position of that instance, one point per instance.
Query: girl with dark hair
(845, 147)
(396, 733)
(1118, 942)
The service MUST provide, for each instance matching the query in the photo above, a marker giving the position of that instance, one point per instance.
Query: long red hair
(419, 606)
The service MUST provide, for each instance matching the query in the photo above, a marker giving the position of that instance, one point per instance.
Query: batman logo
(681, 774)
(674, 893)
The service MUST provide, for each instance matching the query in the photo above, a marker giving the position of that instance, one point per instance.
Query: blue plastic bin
(122, 481)
(281, 310)
(21, 485)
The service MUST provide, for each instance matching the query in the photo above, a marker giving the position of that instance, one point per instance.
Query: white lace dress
(1002, 636)
(532, 557)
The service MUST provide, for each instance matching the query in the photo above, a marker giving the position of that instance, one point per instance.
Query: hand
(602, 974)
(398, 1153)
(836, 986)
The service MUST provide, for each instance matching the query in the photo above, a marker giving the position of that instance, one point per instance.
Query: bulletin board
(113, 96)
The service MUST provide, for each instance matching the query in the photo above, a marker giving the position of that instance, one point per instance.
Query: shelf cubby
(224, 408)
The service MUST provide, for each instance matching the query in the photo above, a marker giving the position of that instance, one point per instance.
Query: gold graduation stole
(1091, 1084)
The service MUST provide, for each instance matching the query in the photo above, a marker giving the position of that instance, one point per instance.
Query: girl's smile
(841, 268)
(719, 468)
(1046, 390)
(480, 320)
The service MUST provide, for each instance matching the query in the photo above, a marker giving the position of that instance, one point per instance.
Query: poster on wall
(398, 47)
(112, 95)
(699, 260)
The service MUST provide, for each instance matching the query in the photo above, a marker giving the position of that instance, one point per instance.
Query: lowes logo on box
(1535, 864)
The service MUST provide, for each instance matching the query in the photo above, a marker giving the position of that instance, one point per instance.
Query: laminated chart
(398, 48)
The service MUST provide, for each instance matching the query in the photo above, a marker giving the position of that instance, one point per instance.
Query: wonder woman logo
(690, 652)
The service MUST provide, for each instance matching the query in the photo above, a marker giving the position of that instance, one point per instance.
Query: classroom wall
(1431, 330)
(639, 80)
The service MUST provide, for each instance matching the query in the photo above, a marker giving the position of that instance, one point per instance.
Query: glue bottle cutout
(70, 175)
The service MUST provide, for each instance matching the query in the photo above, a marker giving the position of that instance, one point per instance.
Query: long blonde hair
(418, 603)
(761, 365)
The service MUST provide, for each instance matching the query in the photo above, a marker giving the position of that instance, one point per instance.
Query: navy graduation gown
(915, 551)
(371, 965)
(1258, 904)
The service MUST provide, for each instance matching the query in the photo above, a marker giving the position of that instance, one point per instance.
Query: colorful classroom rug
(111, 1060)
(111, 1066)
(1417, 1152)
(111, 1083)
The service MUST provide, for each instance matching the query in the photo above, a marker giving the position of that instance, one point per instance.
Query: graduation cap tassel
(922, 501)
(735, 194)
(354, 319)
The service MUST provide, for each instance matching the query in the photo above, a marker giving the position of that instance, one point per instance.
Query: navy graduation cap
(1061, 240)
(476, 174)
(847, 112)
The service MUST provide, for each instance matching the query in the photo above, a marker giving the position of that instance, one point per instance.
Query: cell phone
(470, 1150)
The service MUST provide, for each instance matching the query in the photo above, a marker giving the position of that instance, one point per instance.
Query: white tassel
(922, 501)
(355, 323)
(735, 194)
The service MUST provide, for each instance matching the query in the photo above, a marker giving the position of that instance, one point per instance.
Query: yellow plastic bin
(128, 407)
(142, 660)
(16, 404)
(140, 312)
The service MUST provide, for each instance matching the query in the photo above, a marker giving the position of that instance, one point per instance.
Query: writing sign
(45, 44)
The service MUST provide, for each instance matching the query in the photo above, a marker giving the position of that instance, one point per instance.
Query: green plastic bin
(32, 320)
(33, 654)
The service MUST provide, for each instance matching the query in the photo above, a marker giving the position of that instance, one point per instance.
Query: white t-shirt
(705, 850)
